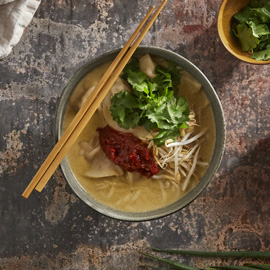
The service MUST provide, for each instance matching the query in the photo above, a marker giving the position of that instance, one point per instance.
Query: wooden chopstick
(72, 126)
(77, 125)
(47, 175)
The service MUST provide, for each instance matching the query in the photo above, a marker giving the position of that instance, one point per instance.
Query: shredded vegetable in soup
(151, 139)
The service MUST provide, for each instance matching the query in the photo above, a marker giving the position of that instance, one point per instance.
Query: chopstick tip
(25, 195)
(38, 188)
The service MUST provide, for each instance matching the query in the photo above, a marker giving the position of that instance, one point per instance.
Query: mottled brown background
(54, 229)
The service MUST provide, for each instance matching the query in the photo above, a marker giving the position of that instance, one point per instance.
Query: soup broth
(122, 190)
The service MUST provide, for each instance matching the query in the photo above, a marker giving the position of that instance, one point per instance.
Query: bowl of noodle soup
(174, 170)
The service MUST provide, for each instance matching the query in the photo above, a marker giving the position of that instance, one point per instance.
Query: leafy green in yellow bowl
(244, 29)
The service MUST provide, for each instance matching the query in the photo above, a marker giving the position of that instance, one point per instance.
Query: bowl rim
(225, 42)
(214, 163)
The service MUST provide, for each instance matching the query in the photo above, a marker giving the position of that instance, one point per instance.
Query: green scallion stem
(236, 254)
(171, 262)
(150, 266)
(233, 267)
(259, 266)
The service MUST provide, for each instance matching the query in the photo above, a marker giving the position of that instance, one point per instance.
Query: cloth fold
(15, 15)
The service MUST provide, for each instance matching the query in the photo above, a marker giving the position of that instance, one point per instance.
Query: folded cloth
(15, 15)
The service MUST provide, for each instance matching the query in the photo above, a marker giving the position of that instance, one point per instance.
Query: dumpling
(148, 66)
(81, 100)
(88, 151)
(99, 165)
(189, 83)
(141, 133)
(86, 95)
(119, 85)
(87, 148)
(80, 95)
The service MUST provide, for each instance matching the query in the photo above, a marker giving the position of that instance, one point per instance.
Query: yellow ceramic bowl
(226, 12)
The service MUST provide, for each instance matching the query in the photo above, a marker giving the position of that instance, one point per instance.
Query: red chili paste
(127, 151)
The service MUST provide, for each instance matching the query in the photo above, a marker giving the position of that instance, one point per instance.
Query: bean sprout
(179, 158)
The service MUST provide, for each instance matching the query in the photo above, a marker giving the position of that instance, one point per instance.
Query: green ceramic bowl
(219, 145)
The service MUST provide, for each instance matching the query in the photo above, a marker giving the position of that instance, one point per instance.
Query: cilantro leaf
(259, 14)
(263, 13)
(151, 103)
(138, 80)
(259, 29)
(246, 15)
(258, 3)
(133, 65)
(173, 70)
(163, 85)
(123, 109)
(262, 55)
(170, 114)
(264, 42)
(163, 136)
(246, 38)
(252, 28)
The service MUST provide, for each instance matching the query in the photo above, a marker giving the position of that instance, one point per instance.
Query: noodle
(111, 191)
(136, 196)
(102, 187)
(176, 187)
(162, 190)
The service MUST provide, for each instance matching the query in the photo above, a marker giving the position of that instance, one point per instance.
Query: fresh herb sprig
(221, 254)
(228, 254)
(176, 265)
(252, 28)
(151, 103)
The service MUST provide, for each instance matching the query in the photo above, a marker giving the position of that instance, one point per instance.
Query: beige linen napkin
(15, 15)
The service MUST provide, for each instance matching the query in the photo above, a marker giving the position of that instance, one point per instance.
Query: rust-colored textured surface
(55, 230)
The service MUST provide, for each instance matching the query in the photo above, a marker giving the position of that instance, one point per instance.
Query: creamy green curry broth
(141, 194)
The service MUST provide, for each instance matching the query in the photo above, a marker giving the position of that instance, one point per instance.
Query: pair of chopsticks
(90, 106)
